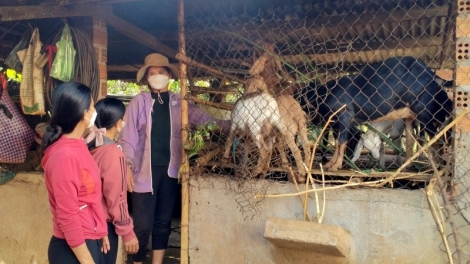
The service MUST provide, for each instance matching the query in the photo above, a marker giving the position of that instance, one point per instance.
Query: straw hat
(155, 59)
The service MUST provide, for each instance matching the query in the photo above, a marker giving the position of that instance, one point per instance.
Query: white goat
(257, 114)
(371, 140)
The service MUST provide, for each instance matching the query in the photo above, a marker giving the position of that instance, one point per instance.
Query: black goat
(400, 87)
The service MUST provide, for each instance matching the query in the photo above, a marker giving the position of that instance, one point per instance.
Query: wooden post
(184, 170)
(448, 34)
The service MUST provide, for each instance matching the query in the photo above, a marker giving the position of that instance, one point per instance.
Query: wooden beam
(313, 55)
(373, 46)
(76, 2)
(139, 35)
(35, 12)
(208, 69)
(326, 24)
(199, 90)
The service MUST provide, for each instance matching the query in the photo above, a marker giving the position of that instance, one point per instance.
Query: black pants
(152, 213)
(59, 251)
(111, 256)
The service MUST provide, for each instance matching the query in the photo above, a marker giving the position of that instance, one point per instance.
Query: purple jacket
(135, 136)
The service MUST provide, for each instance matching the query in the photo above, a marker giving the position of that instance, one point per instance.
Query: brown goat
(270, 69)
(295, 120)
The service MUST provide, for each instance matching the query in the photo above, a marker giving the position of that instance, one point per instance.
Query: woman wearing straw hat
(152, 144)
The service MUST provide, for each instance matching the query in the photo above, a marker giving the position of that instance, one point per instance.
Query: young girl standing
(113, 171)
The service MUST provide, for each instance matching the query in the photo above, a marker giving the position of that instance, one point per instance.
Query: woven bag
(16, 137)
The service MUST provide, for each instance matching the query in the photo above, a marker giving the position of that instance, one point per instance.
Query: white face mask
(158, 81)
(92, 119)
(122, 127)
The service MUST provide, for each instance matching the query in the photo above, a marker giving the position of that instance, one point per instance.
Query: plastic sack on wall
(63, 67)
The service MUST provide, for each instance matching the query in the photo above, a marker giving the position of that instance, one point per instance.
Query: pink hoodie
(74, 187)
(113, 170)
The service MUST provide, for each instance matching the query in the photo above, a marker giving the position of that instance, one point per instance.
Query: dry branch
(292, 175)
(438, 217)
(380, 183)
(203, 160)
(432, 141)
(450, 216)
(369, 184)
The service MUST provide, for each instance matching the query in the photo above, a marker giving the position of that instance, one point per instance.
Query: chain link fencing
(281, 72)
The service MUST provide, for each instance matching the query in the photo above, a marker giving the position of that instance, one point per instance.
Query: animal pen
(308, 81)
(336, 102)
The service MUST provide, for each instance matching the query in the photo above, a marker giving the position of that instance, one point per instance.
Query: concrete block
(308, 236)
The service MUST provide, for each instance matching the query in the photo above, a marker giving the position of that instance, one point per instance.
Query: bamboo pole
(184, 170)
(223, 106)
(449, 31)
(438, 216)
(182, 58)
(200, 90)
(447, 208)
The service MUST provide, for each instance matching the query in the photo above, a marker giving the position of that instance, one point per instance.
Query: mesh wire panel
(281, 72)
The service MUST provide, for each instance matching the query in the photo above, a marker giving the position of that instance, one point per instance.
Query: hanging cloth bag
(63, 67)
(16, 135)
(32, 81)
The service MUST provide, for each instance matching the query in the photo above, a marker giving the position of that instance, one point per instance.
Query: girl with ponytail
(113, 171)
(73, 179)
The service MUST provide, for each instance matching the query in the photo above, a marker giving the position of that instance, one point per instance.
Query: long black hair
(109, 112)
(70, 100)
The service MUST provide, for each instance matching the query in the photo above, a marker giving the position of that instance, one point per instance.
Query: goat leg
(290, 138)
(382, 155)
(334, 158)
(306, 145)
(282, 152)
(339, 160)
(409, 138)
(397, 142)
(263, 162)
(228, 144)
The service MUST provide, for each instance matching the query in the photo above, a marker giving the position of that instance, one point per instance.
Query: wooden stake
(448, 34)
(182, 58)
(184, 170)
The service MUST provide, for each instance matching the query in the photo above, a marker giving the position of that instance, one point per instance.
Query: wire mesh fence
(365, 88)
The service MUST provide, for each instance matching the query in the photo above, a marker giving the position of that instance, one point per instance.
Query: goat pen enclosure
(282, 70)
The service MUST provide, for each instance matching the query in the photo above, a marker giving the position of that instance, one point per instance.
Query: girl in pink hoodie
(73, 179)
(113, 171)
